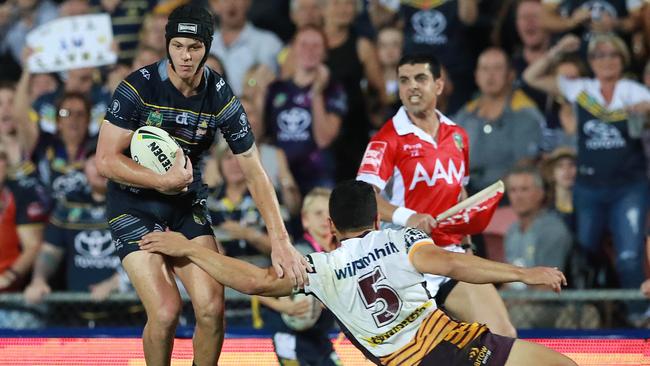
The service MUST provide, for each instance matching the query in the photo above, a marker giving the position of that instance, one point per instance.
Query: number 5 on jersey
(373, 293)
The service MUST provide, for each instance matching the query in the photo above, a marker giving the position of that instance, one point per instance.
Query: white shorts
(434, 281)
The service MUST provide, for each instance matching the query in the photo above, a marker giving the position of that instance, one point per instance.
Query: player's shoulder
(144, 76)
(386, 132)
(410, 236)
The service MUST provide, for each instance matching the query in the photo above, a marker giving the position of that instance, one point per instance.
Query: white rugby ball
(153, 148)
(306, 320)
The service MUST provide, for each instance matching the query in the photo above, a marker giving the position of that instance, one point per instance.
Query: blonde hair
(612, 39)
(313, 195)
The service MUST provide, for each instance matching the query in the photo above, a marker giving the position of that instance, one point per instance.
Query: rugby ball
(153, 148)
(306, 320)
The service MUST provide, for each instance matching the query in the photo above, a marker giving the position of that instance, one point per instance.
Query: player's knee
(166, 316)
(210, 312)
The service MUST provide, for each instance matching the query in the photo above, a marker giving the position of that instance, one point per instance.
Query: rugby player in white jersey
(374, 285)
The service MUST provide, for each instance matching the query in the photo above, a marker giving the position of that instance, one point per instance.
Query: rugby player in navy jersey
(191, 102)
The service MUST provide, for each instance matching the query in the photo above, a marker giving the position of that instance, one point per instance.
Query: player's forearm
(121, 169)
(237, 274)
(474, 269)
(267, 203)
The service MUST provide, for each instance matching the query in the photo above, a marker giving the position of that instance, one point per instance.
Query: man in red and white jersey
(426, 156)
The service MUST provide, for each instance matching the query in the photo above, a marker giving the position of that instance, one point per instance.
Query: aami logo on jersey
(372, 158)
(449, 173)
(162, 157)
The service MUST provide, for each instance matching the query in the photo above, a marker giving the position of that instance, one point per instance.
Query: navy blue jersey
(148, 98)
(78, 226)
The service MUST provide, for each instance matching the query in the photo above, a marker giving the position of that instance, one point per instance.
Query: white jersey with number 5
(373, 289)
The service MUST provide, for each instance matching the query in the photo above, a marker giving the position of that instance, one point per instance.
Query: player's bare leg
(532, 354)
(208, 303)
(155, 285)
(481, 304)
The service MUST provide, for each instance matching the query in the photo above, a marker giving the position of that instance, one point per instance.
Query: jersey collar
(403, 125)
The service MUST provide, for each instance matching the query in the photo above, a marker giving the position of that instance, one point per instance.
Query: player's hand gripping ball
(153, 148)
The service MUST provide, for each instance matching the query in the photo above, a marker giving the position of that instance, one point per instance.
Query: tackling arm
(428, 258)
(231, 272)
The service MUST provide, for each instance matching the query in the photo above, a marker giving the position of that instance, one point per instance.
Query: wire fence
(571, 309)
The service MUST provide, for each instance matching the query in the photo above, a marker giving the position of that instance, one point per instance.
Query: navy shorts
(133, 215)
(488, 349)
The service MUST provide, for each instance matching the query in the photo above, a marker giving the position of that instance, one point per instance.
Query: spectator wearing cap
(239, 44)
(560, 174)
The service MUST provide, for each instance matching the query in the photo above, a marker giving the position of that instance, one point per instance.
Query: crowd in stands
(317, 78)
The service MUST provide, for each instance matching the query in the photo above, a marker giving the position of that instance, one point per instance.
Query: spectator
(239, 44)
(303, 114)
(590, 17)
(611, 189)
(311, 346)
(390, 41)
(127, 18)
(115, 74)
(8, 140)
(236, 221)
(535, 41)
(273, 160)
(560, 174)
(272, 15)
(59, 157)
(152, 32)
(503, 125)
(78, 235)
(144, 56)
(215, 64)
(41, 84)
(256, 84)
(439, 30)
(83, 81)
(350, 59)
(22, 216)
(303, 13)
(539, 237)
(561, 127)
(30, 14)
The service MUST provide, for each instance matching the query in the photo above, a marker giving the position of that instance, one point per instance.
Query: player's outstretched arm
(286, 259)
(428, 258)
(242, 276)
(114, 165)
